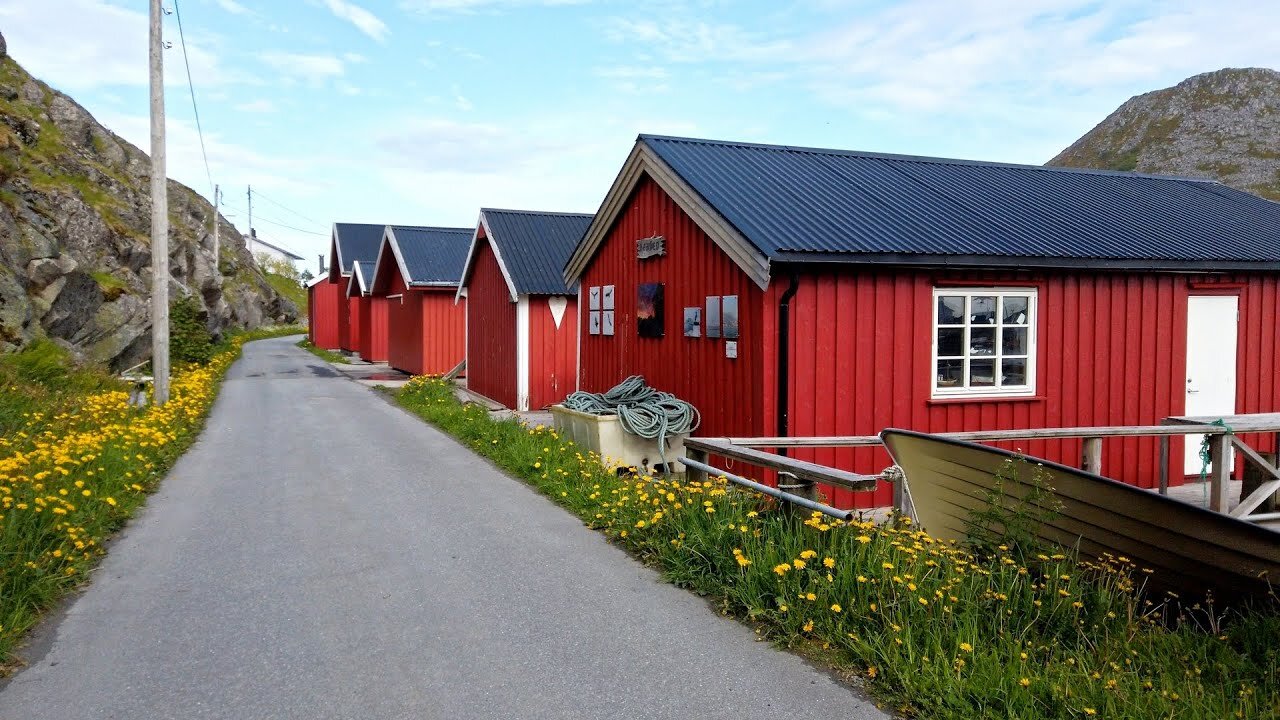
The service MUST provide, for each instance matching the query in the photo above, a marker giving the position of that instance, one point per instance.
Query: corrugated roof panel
(535, 246)
(432, 255)
(792, 201)
(357, 242)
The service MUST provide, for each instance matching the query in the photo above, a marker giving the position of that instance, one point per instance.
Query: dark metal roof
(534, 246)
(356, 242)
(362, 276)
(431, 255)
(800, 204)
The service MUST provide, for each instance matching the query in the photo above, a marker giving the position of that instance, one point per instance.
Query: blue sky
(423, 111)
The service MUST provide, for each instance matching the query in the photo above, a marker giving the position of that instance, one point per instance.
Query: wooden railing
(1221, 439)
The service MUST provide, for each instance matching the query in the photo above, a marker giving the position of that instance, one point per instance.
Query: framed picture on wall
(606, 297)
(649, 310)
(693, 322)
(711, 322)
(593, 322)
(606, 322)
(593, 296)
(729, 316)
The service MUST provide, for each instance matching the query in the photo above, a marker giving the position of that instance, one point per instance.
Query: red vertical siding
(343, 311)
(1111, 350)
(444, 331)
(322, 313)
(404, 327)
(375, 329)
(491, 330)
(553, 352)
(727, 392)
(354, 316)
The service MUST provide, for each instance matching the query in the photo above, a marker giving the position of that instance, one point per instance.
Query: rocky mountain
(75, 220)
(1223, 125)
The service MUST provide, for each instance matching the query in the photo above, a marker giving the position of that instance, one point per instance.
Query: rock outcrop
(75, 219)
(1223, 125)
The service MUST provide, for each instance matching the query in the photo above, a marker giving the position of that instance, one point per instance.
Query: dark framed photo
(729, 316)
(712, 320)
(649, 310)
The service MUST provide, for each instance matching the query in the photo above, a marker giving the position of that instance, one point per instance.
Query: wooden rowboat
(1190, 549)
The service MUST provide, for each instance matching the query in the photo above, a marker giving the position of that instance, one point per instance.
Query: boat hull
(1189, 549)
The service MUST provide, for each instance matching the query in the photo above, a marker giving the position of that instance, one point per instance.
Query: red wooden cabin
(351, 243)
(522, 340)
(324, 297)
(368, 316)
(417, 273)
(877, 291)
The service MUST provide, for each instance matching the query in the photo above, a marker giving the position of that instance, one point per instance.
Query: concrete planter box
(603, 435)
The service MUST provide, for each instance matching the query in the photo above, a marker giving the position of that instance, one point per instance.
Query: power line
(191, 86)
(289, 227)
(259, 195)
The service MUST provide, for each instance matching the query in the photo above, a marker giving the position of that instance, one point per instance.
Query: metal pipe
(784, 358)
(766, 490)
(1261, 517)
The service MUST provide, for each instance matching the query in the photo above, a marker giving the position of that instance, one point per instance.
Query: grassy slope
(937, 630)
(289, 288)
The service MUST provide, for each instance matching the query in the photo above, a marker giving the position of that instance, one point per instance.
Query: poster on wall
(606, 297)
(606, 322)
(729, 316)
(594, 294)
(593, 322)
(693, 322)
(649, 310)
(712, 320)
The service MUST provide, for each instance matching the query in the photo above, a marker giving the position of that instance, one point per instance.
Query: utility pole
(216, 191)
(159, 216)
(251, 238)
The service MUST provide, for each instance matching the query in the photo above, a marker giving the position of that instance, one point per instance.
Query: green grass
(326, 355)
(934, 629)
(289, 288)
(76, 461)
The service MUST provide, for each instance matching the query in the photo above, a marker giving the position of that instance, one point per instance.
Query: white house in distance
(258, 247)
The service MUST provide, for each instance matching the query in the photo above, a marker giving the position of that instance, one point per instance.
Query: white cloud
(689, 40)
(472, 6)
(234, 7)
(257, 106)
(89, 44)
(364, 21)
(354, 58)
(314, 69)
(631, 72)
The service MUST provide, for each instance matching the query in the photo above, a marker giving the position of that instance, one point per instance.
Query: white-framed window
(984, 342)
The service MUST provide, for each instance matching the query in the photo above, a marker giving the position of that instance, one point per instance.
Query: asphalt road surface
(319, 553)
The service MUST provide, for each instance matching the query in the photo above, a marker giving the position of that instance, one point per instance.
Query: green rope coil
(1205, 457)
(641, 410)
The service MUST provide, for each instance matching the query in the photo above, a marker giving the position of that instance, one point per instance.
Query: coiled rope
(641, 410)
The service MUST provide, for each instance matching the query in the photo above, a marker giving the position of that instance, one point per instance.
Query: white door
(1211, 363)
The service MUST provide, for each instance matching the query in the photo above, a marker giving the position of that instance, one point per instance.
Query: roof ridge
(433, 228)
(535, 212)
(922, 158)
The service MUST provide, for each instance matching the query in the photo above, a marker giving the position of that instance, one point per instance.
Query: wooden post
(159, 216)
(1091, 455)
(1219, 472)
(693, 474)
(1164, 464)
(1255, 477)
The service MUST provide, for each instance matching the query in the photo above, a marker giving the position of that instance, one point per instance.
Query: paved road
(321, 554)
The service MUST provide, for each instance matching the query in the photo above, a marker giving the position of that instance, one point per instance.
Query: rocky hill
(75, 221)
(1223, 124)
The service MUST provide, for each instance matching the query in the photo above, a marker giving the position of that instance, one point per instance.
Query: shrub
(189, 339)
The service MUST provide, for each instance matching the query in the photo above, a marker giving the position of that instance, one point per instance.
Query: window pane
(982, 341)
(982, 373)
(950, 342)
(950, 373)
(1014, 372)
(1015, 341)
(951, 310)
(1014, 310)
(983, 310)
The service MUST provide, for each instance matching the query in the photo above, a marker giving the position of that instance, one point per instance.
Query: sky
(421, 112)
